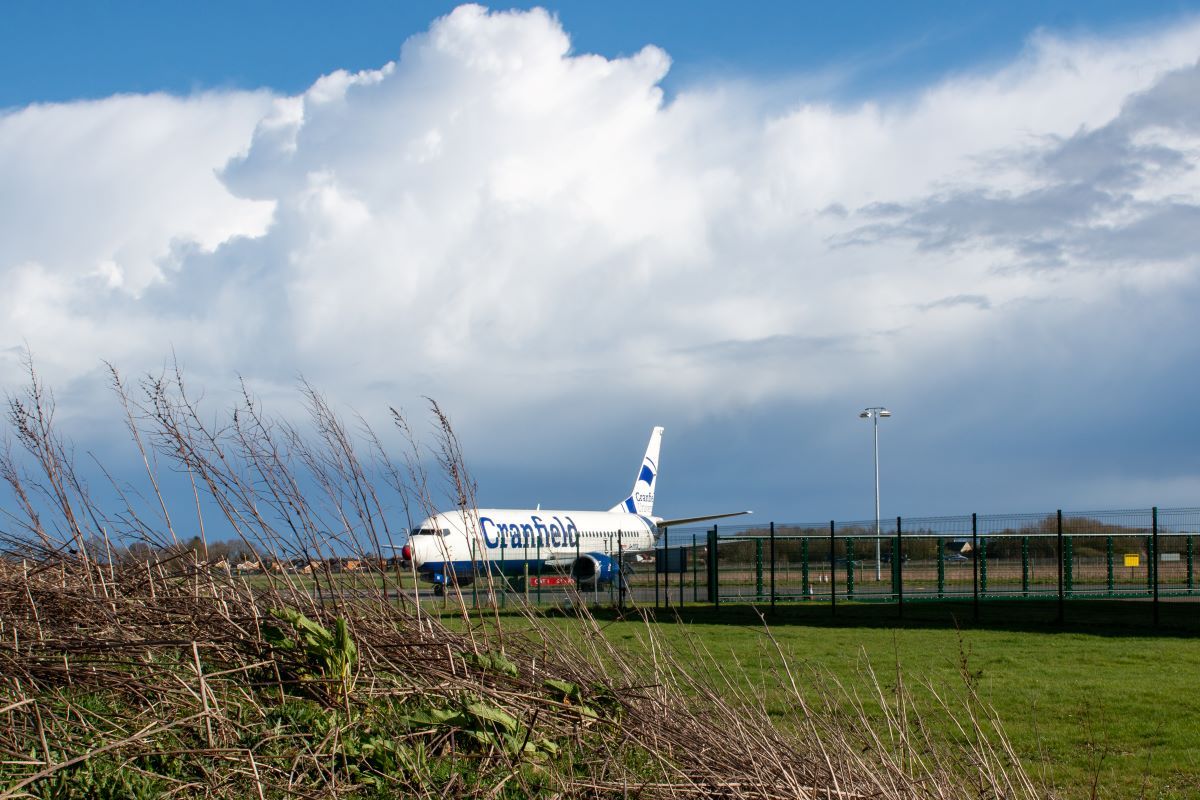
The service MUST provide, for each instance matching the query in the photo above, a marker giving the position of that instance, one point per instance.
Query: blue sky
(744, 226)
(90, 50)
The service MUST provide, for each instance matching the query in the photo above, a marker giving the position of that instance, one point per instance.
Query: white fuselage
(507, 539)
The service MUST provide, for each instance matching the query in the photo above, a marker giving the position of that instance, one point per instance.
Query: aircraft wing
(670, 523)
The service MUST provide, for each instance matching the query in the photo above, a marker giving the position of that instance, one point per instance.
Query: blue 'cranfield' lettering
(562, 532)
(490, 541)
(541, 530)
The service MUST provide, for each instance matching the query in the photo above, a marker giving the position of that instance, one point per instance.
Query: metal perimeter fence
(1145, 555)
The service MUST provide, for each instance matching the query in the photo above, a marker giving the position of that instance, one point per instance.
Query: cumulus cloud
(100, 202)
(518, 228)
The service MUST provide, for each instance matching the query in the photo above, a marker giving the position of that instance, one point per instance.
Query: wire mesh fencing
(1138, 555)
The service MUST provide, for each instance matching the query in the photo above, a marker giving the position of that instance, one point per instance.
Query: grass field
(1102, 703)
(1105, 701)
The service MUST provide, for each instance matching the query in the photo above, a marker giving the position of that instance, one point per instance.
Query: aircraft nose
(417, 549)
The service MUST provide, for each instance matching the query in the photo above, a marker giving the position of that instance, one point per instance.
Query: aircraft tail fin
(641, 498)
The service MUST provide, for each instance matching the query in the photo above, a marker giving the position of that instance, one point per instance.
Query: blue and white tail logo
(641, 499)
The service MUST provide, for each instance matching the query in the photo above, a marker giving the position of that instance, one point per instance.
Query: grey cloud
(1032, 223)
(1107, 158)
(1110, 157)
(1171, 102)
(1168, 231)
(779, 346)
(1086, 205)
(976, 300)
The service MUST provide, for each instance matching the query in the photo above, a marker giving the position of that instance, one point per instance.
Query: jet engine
(591, 568)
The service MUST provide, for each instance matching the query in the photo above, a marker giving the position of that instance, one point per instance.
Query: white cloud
(99, 202)
(504, 223)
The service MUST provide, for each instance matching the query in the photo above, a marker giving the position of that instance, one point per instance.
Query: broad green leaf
(492, 714)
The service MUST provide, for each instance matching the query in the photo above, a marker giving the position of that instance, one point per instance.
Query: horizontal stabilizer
(670, 523)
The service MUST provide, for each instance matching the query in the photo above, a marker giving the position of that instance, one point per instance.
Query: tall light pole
(873, 413)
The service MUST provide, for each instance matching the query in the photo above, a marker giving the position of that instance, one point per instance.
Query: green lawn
(1104, 699)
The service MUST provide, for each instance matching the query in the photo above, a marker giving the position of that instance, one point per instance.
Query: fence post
(1059, 556)
(895, 574)
(695, 572)
(758, 570)
(832, 570)
(804, 584)
(682, 574)
(1150, 562)
(667, 572)
(1108, 559)
(1154, 532)
(898, 557)
(716, 564)
(540, 564)
(608, 551)
(975, 565)
(772, 566)
(983, 566)
(620, 572)
(941, 568)
(1069, 565)
(660, 565)
(714, 588)
(849, 568)
(1024, 566)
(1190, 549)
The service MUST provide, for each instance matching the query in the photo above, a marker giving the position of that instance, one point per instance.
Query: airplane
(460, 546)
